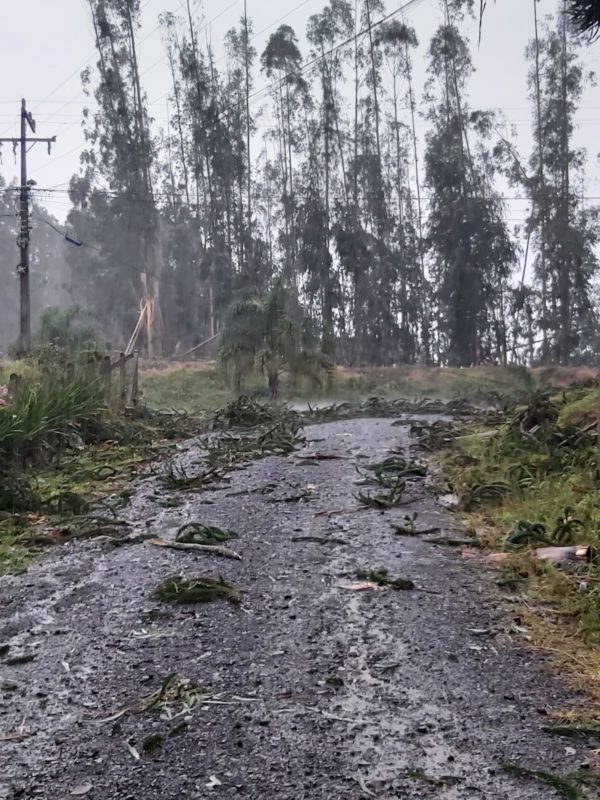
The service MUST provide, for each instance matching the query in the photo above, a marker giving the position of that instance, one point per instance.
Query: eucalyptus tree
(121, 156)
(563, 226)
(281, 62)
(470, 248)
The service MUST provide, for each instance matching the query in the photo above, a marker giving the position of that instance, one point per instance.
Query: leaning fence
(121, 379)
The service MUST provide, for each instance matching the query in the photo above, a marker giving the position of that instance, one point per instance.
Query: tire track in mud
(317, 692)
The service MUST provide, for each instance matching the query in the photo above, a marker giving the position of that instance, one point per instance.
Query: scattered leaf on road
(80, 791)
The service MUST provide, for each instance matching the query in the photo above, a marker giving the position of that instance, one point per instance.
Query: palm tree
(270, 333)
(585, 15)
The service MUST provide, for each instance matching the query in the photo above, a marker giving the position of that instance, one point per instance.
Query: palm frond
(585, 16)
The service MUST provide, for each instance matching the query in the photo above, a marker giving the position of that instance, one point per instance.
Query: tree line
(397, 247)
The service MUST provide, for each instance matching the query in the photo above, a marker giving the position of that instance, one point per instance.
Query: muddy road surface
(308, 690)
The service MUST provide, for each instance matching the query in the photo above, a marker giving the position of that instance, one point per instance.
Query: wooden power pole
(25, 227)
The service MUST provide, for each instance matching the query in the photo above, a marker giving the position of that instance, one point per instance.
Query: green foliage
(382, 577)
(68, 330)
(231, 450)
(47, 412)
(245, 413)
(188, 591)
(468, 238)
(569, 786)
(197, 533)
(15, 554)
(187, 388)
(270, 333)
(535, 481)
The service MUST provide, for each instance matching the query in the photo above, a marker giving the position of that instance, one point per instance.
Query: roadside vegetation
(203, 386)
(65, 446)
(529, 488)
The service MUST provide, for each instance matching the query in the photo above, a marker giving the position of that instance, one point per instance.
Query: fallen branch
(214, 549)
(318, 540)
(322, 457)
(342, 511)
(449, 541)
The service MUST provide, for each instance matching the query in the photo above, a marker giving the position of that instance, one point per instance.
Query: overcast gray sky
(46, 44)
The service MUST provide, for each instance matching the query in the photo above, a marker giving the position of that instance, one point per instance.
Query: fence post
(135, 380)
(106, 375)
(123, 380)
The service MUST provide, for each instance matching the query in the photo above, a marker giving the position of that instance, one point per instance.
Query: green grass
(545, 479)
(202, 388)
(45, 410)
(476, 383)
(191, 389)
(62, 450)
(581, 410)
(15, 555)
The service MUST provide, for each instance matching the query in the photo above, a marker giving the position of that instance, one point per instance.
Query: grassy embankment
(201, 387)
(533, 482)
(63, 449)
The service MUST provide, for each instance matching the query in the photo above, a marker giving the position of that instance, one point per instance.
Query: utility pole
(25, 227)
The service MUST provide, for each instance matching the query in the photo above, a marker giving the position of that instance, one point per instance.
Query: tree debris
(381, 577)
(185, 591)
(197, 533)
(212, 549)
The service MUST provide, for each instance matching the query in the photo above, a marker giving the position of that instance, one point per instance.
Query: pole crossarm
(17, 140)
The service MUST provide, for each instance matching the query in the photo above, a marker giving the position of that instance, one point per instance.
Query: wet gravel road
(313, 691)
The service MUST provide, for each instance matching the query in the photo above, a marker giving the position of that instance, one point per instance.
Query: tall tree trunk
(374, 79)
(248, 125)
(542, 187)
(212, 225)
(564, 267)
(426, 323)
(356, 90)
(180, 136)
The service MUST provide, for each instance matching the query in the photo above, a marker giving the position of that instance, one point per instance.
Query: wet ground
(311, 691)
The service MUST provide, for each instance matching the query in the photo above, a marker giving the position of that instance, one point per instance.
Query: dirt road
(311, 691)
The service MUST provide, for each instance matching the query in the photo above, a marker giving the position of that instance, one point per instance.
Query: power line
(76, 71)
(82, 91)
(203, 28)
(411, 4)
(136, 198)
(113, 261)
(160, 100)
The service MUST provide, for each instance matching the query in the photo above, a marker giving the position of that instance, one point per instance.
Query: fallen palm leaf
(198, 533)
(186, 591)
